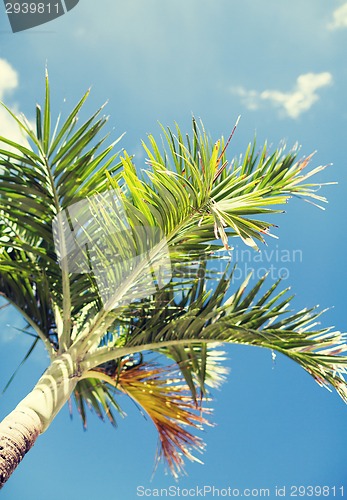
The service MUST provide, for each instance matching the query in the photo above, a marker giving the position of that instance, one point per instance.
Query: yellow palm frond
(164, 396)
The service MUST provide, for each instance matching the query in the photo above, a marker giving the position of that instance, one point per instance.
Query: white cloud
(299, 100)
(8, 78)
(9, 81)
(339, 18)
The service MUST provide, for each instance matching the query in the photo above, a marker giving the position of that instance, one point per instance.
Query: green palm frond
(61, 167)
(201, 365)
(252, 318)
(184, 326)
(98, 396)
(188, 171)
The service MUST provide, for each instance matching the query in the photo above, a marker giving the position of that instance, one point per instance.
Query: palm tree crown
(196, 201)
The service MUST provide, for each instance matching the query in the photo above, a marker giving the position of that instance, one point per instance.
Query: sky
(282, 67)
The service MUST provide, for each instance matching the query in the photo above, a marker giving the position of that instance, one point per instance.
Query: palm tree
(113, 268)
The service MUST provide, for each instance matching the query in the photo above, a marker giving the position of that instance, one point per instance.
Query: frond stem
(64, 341)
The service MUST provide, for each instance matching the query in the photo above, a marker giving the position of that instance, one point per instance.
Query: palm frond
(160, 392)
(59, 167)
(182, 187)
(252, 318)
(201, 364)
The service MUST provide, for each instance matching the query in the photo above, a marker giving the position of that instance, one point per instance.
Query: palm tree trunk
(20, 429)
(18, 433)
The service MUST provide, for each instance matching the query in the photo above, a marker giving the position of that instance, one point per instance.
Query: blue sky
(281, 65)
